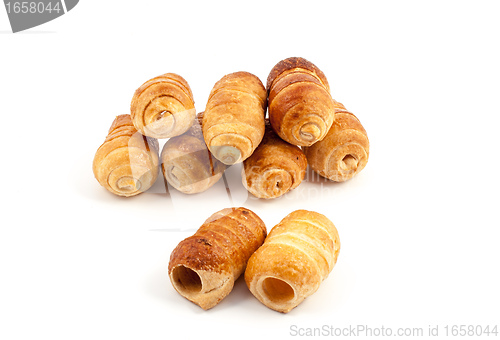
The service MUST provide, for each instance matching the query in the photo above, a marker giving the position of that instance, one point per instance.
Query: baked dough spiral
(163, 106)
(344, 151)
(298, 254)
(233, 123)
(126, 163)
(300, 105)
(187, 164)
(274, 168)
(203, 267)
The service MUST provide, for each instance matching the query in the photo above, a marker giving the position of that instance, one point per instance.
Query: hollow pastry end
(176, 177)
(305, 131)
(310, 132)
(226, 154)
(279, 293)
(276, 293)
(230, 148)
(128, 184)
(186, 280)
(129, 180)
(345, 163)
(349, 162)
(180, 180)
(204, 288)
(272, 183)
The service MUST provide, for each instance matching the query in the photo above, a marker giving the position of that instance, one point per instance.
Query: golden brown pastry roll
(233, 123)
(274, 168)
(300, 105)
(296, 257)
(203, 267)
(127, 162)
(187, 164)
(163, 107)
(344, 151)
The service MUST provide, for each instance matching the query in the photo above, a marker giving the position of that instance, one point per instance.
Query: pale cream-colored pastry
(344, 151)
(126, 163)
(203, 267)
(233, 123)
(163, 107)
(274, 168)
(187, 164)
(300, 105)
(296, 257)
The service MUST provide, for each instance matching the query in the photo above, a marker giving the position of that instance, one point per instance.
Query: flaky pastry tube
(203, 267)
(274, 168)
(126, 164)
(344, 151)
(233, 123)
(163, 106)
(298, 254)
(187, 164)
(300, 105)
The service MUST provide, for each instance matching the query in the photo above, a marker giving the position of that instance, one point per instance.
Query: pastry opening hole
(174, 176)
(227, 154)
(306, 136)
(228, 160)
(186, 280)
(349, 162)
(310, 132)
(278, 291)
(161, 115)
(173, 170)
(128, 184)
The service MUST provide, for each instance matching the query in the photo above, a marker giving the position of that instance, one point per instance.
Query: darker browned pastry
(203, 267)
(300, 105)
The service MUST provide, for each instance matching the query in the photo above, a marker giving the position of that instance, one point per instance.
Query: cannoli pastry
(187, 164)
(126, 163)
(163, 107)
(300, 105)
(296, 257)
(233, 123)
(344, 151)
(203, 267)
(274, 168)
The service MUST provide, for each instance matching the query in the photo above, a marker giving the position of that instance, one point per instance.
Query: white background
(419, 225)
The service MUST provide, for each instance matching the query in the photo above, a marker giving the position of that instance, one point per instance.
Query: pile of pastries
(281, 269)
(305, 125)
